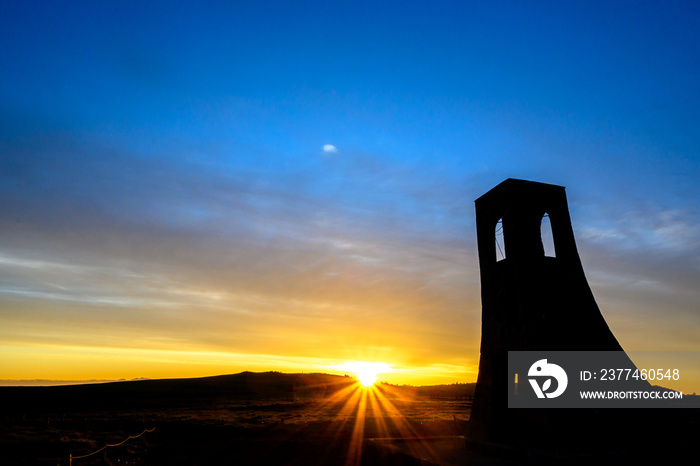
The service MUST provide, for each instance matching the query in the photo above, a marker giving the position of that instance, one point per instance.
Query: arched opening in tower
(547, 238)
(500, 244)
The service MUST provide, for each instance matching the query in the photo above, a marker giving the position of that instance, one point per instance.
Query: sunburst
(366, 372)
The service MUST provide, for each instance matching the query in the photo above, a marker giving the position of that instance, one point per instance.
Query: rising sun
(367, 378)
(366, 372)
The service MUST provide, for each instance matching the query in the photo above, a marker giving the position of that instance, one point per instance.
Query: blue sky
(165, 187)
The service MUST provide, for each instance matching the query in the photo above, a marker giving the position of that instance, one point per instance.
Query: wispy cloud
(230, 260)
(672, 230)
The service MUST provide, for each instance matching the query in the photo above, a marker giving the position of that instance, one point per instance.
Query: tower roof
(514, 188)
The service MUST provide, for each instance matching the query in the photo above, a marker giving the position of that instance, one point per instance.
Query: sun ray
(356, 441)
(419, 448)
(350, 405)
(378, 412)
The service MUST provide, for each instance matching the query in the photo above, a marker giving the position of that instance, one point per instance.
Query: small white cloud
(330, 149)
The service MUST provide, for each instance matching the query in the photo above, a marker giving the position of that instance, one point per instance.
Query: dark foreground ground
(192, 442)
(304, 419)
(242, 419)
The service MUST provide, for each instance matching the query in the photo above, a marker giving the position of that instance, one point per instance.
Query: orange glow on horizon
(51, 362)
(367, 372)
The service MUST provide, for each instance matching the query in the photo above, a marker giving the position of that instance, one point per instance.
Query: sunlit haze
(208, 189)
(366, 372)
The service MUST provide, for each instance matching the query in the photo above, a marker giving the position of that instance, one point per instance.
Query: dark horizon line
(64, 383)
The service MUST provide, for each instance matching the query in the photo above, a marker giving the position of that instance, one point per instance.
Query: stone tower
(530, 302)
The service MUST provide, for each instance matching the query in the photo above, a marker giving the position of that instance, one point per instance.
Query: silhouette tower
(530, 301)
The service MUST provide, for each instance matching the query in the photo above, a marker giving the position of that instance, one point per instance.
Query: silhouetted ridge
(170, 392)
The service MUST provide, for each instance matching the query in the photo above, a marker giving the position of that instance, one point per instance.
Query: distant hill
(455, 390)
(144, 394)
(200, 393)
(51, 382)
(445, 391)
